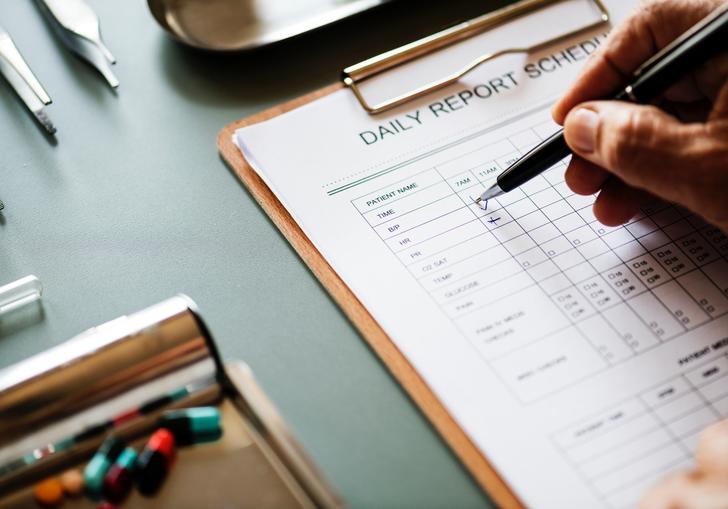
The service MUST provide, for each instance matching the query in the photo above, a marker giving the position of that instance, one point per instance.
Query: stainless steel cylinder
(59, 404)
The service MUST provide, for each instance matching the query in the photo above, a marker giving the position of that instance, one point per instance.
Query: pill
(120, 477)
(193, 425)
(72, 482)
(49, 493)
(155, 461)
(99, 465)
(106, 505)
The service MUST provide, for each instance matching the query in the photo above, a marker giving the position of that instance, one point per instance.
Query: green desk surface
(133, 205)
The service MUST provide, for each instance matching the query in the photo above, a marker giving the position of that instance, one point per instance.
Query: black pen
(696, 46)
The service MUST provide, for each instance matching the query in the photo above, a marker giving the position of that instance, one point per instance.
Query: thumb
(642, 145)
(712, 452)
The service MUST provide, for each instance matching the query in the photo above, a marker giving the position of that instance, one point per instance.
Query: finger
(617, 202)
(686, 90)
(583, 177)
(711, 456)
(712, 77)
(704, 83)
(630, 44)
(719, 115)
(686, 491)
(642, 145)
(654, 25)
(697, 111)
(669, 493)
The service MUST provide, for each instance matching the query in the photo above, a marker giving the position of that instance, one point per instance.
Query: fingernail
(583, 125)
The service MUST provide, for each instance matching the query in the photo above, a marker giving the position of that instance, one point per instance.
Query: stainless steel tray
(231, 25)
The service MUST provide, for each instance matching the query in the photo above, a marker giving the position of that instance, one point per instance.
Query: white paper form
(581, 359)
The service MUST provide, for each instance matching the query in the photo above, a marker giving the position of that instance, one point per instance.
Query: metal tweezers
(22, 79)
(78, 28)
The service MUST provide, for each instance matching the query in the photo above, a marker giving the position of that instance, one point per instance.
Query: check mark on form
(483, 204)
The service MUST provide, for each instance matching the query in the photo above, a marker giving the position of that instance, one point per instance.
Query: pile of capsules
(116, 467)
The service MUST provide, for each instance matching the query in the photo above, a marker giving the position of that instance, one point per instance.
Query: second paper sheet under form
(582, 360)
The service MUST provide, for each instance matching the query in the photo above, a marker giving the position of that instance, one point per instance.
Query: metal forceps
(78, 28)
(77, 25)
(22, 79)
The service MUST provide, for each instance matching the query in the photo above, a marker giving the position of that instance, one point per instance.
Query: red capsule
(163, 442)
(155, 461)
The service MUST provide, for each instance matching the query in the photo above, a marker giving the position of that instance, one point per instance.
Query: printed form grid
(627, 448)
(602, 294)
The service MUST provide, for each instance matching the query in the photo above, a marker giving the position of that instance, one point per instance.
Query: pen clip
(78, 27)
(17, 72)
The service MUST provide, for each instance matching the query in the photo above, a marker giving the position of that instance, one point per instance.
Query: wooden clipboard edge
(476, 463)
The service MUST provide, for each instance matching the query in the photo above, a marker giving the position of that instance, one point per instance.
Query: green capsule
(99, 465)
(193, 425)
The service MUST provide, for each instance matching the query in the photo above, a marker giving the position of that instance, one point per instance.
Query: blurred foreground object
(58, 406)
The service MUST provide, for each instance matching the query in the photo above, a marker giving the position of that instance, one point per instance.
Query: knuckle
(655, 13)
(666, 493)
(631, 139)
(714, 434)
(650, 8)
(707, 153)
(704, 157)
(710, 455)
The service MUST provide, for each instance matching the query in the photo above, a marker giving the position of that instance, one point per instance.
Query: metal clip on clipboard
(353, 76)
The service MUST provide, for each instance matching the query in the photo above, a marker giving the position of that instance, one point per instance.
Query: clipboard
(417, 388)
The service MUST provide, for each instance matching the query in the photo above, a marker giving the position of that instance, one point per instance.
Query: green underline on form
(427, 154)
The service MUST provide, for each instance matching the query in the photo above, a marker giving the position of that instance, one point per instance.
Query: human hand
(627, 152)
(706, 487)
